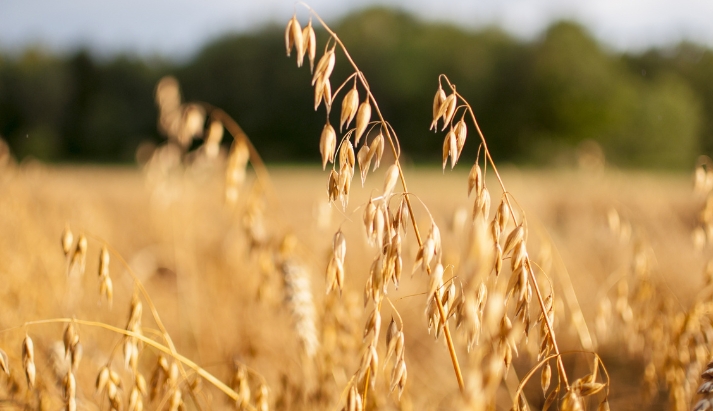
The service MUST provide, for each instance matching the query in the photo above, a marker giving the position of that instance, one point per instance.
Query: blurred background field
(193, 256)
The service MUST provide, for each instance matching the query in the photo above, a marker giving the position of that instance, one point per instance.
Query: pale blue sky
(178, 27)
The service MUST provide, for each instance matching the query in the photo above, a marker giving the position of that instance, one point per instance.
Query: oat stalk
(528, 263)
(393, 143)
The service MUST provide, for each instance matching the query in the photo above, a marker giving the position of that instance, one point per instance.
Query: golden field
(224, 306)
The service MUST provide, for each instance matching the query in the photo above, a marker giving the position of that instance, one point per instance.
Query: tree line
(537, 101)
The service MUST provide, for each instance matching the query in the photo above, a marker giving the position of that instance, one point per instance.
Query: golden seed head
(70, 338)
(438, 100)
(4, 362)
(363, 118)
(325, 65)
(327, 144)
(310, 44)
(475, 179)
(346, 155)
(327, 93)
(450, 108)
(392, 176)
(67, 240)
(364, 160)
(289, 41)
(545, 377)
(377, 150)
(349, 107)
(296, 33)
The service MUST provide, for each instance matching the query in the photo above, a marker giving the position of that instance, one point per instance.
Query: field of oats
(241, 290)
(206, 279)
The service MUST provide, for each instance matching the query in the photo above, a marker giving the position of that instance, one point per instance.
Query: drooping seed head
(346, 155)
(327, 93)
(70, 338)
(102, 379)
(4, 362)
(514, 238)
(453, 151)
(364, 160)
(289, 40)
(327, 144)
(475, 179)
(69, 386)
(333, 186)
(339, 245)
(373, 325)
(297, 40)
(28, 360)
(436, 281)
(545, 377)
(261, 399)
(135, 401)
(104, 262)
(319, 92)
(461, 131)
(438, 100)
(447, 110)
(363, 117)
(349, 107)
(310, 44)
(392, 176)
(325, 65)
(67, 240)
(503, 214)
(377, 150)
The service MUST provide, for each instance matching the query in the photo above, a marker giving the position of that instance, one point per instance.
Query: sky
(177, 28)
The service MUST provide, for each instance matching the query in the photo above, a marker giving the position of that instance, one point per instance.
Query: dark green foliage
(536, 101)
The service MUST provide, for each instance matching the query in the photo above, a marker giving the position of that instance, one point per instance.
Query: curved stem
(396, 152)
(166, 350)
(152, 308)
(528, 264)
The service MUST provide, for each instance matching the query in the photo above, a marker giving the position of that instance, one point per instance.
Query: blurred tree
(535, 101)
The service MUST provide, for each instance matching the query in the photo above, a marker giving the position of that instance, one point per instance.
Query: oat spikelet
(438, 100)
(363, 118)
(236, 170)
(335, 268)
(28, 360)
(4, 362)
(475, 179)
(545, 377)
(392, 176)
(106, 288)
(79, 258)
(325, 65)
(349, 107)
(364, 159)
(67, 240)
(261, 399)
(289, 40)
(450, 148)
(293, 38)
(377, 150)
(327, 145)
(310, 44)
(298, 297)
(70, 339)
